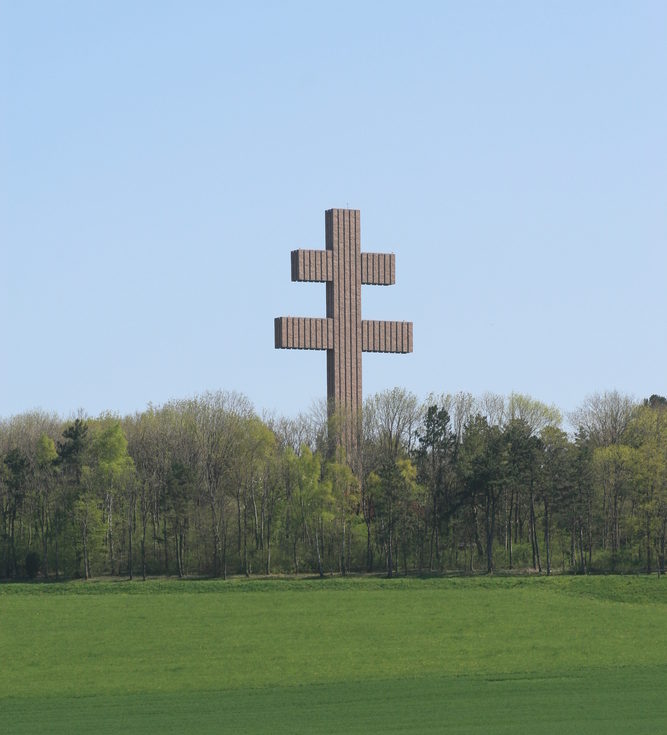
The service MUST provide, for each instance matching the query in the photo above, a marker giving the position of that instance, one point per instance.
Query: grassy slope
(363, 655)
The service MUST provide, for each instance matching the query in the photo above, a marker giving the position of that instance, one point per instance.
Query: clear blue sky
(158, 162)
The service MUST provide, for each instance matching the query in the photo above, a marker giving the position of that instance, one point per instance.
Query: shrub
(32, 564)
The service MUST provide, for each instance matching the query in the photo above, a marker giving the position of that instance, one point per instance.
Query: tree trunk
(246, 566)
(648, 542)
(44, 526)
(129, 545)
(12, 541)
(57, 551)
(508, 529)
(179, 550)
(258, 532)
(112, 560)
(369, 548)
(590, 533)
(143, 548)
(547, 543)
(615, 538)
(390, 559)
(238, 518)
(155, 519)
(342, 552)
(490, 527)
(317, 548)
(533, 533)
(224, 549)
(165, 540)
(86, 565)
(216, 535)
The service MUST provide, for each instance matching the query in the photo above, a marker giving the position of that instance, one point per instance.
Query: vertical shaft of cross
(342, 237)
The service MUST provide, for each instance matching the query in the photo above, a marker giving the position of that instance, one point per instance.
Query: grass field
(460, 655)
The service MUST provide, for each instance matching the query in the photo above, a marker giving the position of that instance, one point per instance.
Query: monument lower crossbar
(343, 333)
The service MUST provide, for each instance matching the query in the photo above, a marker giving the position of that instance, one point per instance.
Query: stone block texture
(379, 336)
(303, 333)
(312, 265)
(378, 269)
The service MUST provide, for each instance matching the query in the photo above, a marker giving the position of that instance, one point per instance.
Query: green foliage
(17, 466)
(72, 449)
(535, 414)
(46, 451)
(109, 450)
(203, 486)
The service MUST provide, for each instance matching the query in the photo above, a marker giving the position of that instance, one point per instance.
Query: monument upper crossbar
(343, 333)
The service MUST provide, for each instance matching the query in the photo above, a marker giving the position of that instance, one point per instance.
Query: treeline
(204, 486)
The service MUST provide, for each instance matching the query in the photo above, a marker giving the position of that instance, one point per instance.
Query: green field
(367, 655)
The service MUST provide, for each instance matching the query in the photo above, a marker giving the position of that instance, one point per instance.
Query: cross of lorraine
(343, 333)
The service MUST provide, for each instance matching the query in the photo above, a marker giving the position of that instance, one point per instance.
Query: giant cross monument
(343, 333)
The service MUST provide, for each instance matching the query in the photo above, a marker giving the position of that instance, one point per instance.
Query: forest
(205, 486)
